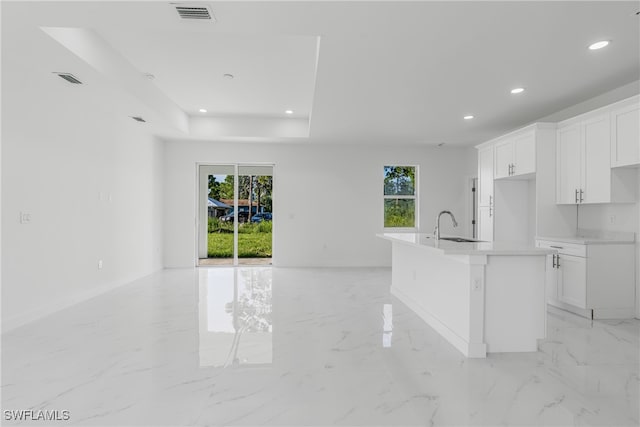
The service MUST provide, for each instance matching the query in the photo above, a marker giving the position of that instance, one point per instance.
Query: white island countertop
(447, 247)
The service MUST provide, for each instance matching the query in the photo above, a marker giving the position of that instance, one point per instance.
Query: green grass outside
(250, 245)
(254, 240)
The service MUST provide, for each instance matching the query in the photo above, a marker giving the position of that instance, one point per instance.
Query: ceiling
(351, 72)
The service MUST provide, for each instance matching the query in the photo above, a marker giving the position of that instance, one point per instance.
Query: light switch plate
(25, 218)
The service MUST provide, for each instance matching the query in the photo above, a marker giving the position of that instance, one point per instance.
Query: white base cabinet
(594, 280)
(572, 279)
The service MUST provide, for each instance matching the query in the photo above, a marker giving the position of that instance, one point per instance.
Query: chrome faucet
(436, 231)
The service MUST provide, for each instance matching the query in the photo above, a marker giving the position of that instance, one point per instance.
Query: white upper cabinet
(596, 171)
(584, 171)
(625, 135)
(524, 154)
(583, 159)
(507, 198)
(516, 156)
(569, 160)
(504, 159)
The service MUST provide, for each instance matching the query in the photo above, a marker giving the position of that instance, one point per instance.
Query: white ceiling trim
(92, 49)
(243, 127)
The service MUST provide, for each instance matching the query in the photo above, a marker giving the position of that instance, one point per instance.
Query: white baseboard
(467, 349)
(52, 307)
(613, 313)
(570, 308)
(596, 313)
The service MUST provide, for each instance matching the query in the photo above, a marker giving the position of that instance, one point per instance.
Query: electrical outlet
(99, 264)
(476, 285)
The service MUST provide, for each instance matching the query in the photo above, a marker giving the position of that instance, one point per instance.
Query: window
(400, 202)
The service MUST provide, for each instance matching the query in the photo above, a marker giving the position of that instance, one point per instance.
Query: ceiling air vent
(194, 11)
(69, 77)
(138, 119)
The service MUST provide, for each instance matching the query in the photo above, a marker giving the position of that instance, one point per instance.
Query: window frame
(413, 197)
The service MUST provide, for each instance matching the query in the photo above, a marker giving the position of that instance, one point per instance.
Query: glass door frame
(236, 183)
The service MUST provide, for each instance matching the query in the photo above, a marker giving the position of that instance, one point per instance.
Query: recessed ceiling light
(599, 45)
(228, 76)
(468, 117)
(517, 90)
(202, 110)
(288, 112)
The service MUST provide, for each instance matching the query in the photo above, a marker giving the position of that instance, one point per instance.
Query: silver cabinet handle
(513, 168)
(558, 261)
(490, 200)
(553, 264)
(490, 211)
(581, 193)
(556, 247)
(576, 195)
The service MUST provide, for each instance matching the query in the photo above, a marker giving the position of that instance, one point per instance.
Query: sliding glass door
(255, 204)
(235, 214)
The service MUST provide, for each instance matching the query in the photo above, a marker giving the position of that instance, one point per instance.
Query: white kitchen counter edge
(586, 240)
(424, 240)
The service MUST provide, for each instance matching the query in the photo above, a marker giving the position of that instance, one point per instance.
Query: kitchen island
(483, 297)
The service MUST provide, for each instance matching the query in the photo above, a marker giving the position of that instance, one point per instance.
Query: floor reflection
(235, 312)
(387, 325)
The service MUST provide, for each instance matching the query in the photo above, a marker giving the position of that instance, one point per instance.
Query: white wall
(91, 180)
(327, 198)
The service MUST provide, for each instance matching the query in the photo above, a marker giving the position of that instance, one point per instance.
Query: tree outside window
(400, 197)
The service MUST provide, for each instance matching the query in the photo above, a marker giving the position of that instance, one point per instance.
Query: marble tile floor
(294, 347)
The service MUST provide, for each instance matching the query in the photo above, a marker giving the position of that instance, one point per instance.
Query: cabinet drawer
(564, 247)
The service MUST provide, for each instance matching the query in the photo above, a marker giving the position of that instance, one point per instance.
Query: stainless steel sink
(460, 239)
